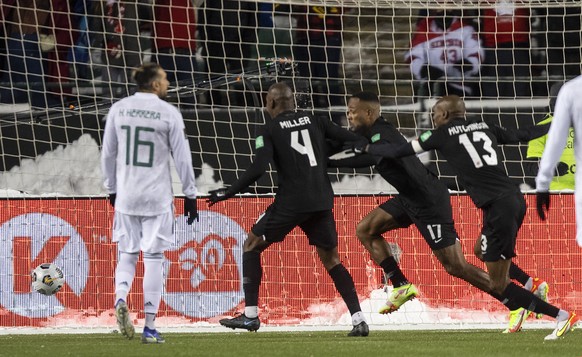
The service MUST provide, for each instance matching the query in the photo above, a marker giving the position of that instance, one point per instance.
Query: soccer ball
(47, 279)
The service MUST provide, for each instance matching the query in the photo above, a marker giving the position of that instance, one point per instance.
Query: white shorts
(149, 234)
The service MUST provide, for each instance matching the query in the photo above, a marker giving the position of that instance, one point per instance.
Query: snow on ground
(333, 316)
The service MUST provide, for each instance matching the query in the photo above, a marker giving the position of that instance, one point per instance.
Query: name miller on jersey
(146, 114)
(287, 124)
(458, 129)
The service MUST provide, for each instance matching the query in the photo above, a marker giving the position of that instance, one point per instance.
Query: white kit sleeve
(109, 154)
(557, 137)
(182, 156)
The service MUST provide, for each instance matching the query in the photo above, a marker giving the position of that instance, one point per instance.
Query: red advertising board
(204, 267)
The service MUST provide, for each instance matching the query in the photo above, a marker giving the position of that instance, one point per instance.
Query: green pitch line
(450, 343)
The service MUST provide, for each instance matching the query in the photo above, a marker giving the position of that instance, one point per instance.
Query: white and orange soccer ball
(47, 279)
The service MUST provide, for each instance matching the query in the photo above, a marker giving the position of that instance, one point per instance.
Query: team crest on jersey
(259, 142)
(425, 135)
(375, 138)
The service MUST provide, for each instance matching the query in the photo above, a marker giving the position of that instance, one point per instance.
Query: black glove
(190, 209)
(357, 147)
(221, 194)
(562, 169)
(112, 197)
(543, 204)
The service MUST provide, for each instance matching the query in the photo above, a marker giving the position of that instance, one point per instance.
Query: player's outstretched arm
(263, 156)
(347, 158)
(218, 195)
(390, 151)
(515, 136)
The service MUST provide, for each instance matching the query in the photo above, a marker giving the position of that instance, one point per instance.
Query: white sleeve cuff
(416, 146)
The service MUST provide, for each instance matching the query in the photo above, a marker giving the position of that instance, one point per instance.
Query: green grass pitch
(449, 343)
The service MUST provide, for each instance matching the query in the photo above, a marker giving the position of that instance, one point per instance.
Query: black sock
(526, 299)
(516, 273)
(510, 304)
(393, 272)
(252, 274)
(345, 286)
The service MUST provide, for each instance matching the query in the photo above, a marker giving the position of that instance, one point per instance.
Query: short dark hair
(145, 75)
(366, 97)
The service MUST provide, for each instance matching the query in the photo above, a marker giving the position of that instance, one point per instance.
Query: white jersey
(567, 114)
(142, 133)
(442, 49)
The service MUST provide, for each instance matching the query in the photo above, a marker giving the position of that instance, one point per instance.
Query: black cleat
(241, 321)
(360, 329)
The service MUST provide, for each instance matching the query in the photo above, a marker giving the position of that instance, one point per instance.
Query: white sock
(358, 318)
(529, 284)
(153, 282)
(252, 311)
(563, 315)
(124, 274)
(150, 321)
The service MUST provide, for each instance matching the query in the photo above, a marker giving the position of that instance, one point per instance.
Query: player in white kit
(142, 134)
(567, 114)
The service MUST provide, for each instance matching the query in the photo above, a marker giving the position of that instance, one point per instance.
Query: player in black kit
(296, 144)
(422, 200)
(471, 148)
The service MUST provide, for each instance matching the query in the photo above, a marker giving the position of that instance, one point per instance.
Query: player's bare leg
(454, 262)
(499, 275)
(369, 231)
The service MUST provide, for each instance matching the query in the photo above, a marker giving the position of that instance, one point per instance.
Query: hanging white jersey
(142, 133)
(443, 49)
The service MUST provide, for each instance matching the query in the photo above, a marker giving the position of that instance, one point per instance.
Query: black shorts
(276, 223)
(501, 222)
(435, 224)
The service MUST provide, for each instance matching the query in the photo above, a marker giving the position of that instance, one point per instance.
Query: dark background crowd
(56, 53)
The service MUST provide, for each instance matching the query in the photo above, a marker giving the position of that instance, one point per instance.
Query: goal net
(57, 84)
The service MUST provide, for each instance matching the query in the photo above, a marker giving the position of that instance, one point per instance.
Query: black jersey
(295, 142)
(417, 186)
(471, 148)
(414, 182)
